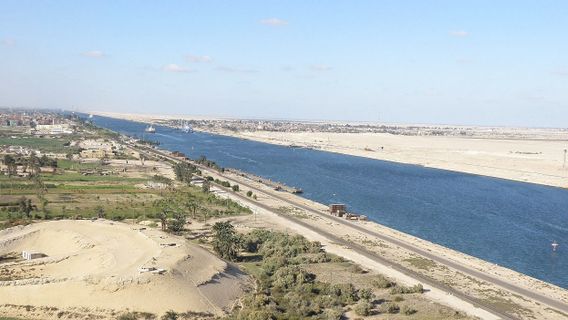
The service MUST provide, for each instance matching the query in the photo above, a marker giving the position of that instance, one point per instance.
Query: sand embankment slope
(528, 160)
(95, 266)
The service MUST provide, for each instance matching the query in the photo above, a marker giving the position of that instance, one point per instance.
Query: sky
(448, 62)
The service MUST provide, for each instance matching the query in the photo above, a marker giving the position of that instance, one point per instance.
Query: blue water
(506, 222)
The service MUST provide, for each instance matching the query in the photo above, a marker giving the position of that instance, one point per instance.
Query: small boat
(150, 129)
(90, 116)
(554, 245)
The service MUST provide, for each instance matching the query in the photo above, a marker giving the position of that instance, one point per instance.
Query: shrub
(235, 187)
(363, 308)
(127, 316)
(333, 314)
(170, 315)
(249, 193)
(366, 294)
(382, 282)
(390, 307)
(355, 268)
(403, 290)
(398, 299)
(178, 223)
(408, 310)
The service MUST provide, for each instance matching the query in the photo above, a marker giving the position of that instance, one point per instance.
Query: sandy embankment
(93, 266)
(534, 161)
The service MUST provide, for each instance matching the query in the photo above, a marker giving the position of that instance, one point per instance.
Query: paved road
(372, 255)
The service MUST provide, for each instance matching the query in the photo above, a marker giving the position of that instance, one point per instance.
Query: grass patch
(55, 145)
(421, 263)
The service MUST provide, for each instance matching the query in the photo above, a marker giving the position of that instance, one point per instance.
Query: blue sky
(458, 62)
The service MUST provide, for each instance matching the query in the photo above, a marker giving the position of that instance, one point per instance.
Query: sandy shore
(535, 161)
(523, 154)
(93, 267)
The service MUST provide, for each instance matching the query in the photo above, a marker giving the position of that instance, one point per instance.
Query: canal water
(505, 222)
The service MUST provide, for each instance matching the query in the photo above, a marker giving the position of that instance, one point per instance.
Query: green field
(56, 145)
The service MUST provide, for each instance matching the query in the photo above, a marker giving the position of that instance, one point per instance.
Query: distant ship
(186, 128)
(150, 129)
(90, 116)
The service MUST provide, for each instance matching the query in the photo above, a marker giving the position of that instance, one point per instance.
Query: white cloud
(172, 67)
(94, 54)
(197, 59)
(236, 70)
(274, 22)
(8, 42)
(459, 33)
(320, 67)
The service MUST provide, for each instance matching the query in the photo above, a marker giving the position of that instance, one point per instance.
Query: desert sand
(529, 160)
(94, 267)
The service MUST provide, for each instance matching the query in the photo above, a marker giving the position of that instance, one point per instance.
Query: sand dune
(95, 265)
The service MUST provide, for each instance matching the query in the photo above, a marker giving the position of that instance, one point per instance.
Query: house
(30, 255)
(337, 209)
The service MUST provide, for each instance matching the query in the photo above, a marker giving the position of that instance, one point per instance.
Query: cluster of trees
(284, 289)
(224, 183)
(184, 171)
(226, 241)
(209, 163)
(25, 206)
(31, 163)
(174, 209)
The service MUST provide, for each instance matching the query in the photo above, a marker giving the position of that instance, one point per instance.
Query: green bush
(284, 289)
(408, 310)
(390, 307)
(127, 316)
(170, 315)
(404, 290)
(382, 282)
(366, 294)
(363, 308)
(333, 314)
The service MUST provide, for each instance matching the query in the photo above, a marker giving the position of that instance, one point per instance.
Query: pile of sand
(96, 266)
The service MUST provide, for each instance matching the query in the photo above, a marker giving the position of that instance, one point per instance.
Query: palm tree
(163, 216)
(33, 164)
(10, 162)
(100, 211)
(192, 205)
